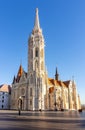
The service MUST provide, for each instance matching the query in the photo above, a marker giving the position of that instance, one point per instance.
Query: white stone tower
(36, 68)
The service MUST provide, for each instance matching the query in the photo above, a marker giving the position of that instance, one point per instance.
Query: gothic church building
(34, 88)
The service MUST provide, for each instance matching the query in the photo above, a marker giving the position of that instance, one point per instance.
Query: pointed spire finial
(36, 25)
(20, 70)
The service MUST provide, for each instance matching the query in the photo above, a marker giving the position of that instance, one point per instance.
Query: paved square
(68, 120)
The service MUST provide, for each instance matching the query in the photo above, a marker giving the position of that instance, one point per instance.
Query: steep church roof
(20, 71)
(56, 82)
(19, 74)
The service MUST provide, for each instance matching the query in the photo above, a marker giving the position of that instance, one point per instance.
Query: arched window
(36, 52)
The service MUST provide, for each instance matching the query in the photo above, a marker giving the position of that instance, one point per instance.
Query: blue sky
(63, 25)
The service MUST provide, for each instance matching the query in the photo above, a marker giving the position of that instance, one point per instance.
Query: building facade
(5, 93)
(34, 88)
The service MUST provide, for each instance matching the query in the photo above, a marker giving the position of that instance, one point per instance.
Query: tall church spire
(36, 24)
(56, 74)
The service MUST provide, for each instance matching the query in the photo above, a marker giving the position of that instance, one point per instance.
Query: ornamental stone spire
(36, 24)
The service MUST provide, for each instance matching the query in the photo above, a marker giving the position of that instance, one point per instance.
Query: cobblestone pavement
(49, 120)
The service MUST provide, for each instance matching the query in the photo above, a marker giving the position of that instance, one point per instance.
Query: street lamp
(55, 103)
(19, 105)
(23, 97)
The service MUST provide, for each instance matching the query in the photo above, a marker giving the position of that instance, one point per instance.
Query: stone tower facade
(36, 68)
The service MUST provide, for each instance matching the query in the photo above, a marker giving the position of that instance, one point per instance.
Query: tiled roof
(5, 88)
(51, 81)
(51, 89)
(57, 83)
(67, 82)
(62, 84)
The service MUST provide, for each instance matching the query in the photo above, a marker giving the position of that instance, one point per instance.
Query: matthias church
(35, 89)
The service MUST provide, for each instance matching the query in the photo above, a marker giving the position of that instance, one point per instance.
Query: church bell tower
(36, 68)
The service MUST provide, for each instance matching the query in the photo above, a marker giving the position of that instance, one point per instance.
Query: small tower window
(30, 91)
(30, 102)
(36, 52)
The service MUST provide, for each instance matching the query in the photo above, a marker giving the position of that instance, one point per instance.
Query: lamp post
(19, 105)
(55, 103)
(23, 100)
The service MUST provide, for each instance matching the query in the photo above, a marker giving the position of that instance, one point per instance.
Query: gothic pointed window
(30, 91)
(36, 52)
(30, 102)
